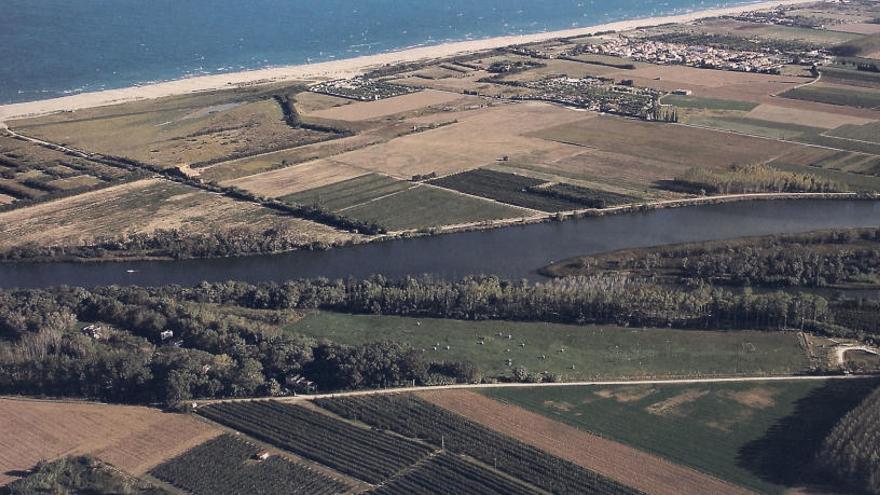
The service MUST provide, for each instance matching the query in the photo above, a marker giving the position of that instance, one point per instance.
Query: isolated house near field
(167, 334)
(93, 331)
(300, 385)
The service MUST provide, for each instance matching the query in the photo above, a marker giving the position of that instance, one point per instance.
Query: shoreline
(345, 68)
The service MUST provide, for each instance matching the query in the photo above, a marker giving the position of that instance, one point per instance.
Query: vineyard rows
(228, 465)
(506, 188)
(368, 455)
(416, 418)
(447, 473)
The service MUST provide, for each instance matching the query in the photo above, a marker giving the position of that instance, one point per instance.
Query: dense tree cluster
(213, 351)
(171, 243)
(842, 260)
(819, 259)
(755, 178)
(211, 354)
(787, 265)
(79, 474)
(852, 450)
(616, 299)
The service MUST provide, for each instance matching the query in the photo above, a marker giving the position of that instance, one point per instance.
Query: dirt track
(632, 467)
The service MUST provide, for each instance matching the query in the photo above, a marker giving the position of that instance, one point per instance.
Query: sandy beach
(343, 68)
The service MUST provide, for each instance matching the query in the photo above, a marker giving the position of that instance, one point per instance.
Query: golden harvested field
(609, 170)
(130, 438)
(145, 206)
(298, 178)
(183, 135)
(389, 106)
(812, 118)
(5, 199)
(227, 171)
(625, 464)
(479, 138)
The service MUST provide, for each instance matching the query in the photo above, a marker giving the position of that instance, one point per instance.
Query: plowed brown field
(131, 438)
(632, 467)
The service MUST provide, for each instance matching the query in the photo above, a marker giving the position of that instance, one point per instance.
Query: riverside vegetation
(215, 354)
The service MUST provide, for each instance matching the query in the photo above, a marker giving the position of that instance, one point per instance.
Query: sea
(51, 48)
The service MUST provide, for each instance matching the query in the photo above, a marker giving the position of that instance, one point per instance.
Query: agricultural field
(558, 67)
(654, 152)
(716, 84)
(30, 172)
(452, 148)
(297, 178)
(142, 207)
(783, 131)
(425, 207)
(697, 102)
(130, 438)
(187, 133)
(636, 468)
(225, 173)
(532, 187)
(843, 167)
(447, 473)
(342, 195)
(591, 352)
(227, 464)
(756, 127)
(762, 436)
(799, 116)
(386, 107)
(775, 32)
(506, 188)
(413, 417)
(367, 455)
(836, 95)
(866, 132)
(849, 77)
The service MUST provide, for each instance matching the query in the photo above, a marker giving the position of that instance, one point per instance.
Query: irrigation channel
(511, 252)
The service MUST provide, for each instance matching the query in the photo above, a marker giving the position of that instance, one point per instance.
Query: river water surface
(511, 252)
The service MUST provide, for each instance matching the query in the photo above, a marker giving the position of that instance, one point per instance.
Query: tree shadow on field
(786, 454)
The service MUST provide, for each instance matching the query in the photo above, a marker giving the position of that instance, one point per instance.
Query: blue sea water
(51, 48)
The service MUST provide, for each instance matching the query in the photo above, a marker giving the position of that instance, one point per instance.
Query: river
(511, 252)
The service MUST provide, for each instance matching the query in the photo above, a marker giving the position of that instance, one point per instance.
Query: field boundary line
(597, 383)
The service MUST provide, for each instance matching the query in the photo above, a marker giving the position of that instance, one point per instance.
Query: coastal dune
(338, 69)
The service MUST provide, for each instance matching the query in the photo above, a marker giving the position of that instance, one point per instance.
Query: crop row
(584, 197)
(506, 188)
(228, 465)
(365, 454)
(447, 473)
(416, 418)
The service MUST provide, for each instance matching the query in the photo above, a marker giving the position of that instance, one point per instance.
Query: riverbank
(67, 254)
(634, 208)
(344, 68)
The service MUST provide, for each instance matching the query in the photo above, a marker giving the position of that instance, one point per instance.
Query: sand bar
(344, 68)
